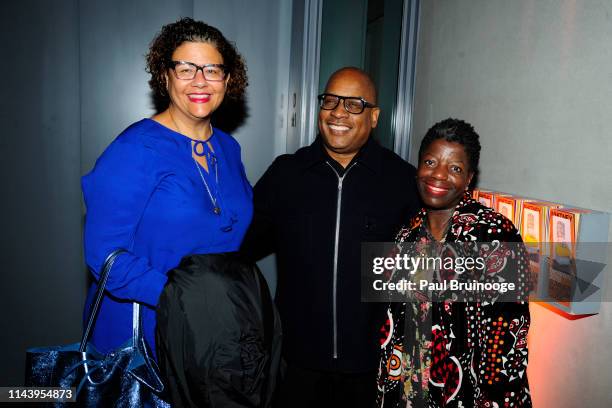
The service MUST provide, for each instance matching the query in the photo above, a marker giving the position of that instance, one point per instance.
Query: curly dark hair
(186, 29)
(459, 131)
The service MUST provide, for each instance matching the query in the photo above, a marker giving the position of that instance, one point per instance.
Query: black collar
(370, 155)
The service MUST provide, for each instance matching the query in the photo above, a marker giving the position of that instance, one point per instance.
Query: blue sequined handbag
(125, 377)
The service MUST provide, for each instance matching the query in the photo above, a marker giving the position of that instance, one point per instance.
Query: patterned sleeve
(501, 356)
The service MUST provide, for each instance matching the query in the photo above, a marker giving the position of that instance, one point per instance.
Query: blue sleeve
(116, 193)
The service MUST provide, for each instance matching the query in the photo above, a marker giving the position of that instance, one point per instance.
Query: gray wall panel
(343, 34)
(42, 280)
(115, 36)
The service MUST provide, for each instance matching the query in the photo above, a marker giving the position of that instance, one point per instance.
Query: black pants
(218, 334)
(305, 388)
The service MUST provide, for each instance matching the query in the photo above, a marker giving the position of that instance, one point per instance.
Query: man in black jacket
(313, 209)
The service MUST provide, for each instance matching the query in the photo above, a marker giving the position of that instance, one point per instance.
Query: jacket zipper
(336, 244)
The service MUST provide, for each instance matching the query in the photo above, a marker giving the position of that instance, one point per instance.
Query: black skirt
(218, 334)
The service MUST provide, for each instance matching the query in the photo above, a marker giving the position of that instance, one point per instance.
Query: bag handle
(142, 365)
(104, 274)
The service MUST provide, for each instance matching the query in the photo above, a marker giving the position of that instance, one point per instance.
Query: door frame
(304, 73)
(402, 117)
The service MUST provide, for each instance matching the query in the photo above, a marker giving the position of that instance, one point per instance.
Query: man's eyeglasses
(352, 104)
(189, 70)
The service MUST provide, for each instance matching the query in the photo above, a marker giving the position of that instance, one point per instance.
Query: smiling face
(195, 100)
(443, 174)
(344, 133)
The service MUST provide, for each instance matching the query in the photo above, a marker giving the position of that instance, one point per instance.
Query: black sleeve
(259, 240)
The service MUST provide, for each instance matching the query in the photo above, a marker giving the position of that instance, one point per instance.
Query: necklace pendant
(217, 210)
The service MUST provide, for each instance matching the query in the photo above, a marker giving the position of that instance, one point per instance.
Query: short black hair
(459, 131)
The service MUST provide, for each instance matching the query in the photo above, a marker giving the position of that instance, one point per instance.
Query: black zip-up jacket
(314, 215)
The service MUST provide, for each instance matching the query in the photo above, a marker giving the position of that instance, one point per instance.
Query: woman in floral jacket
(449, 353)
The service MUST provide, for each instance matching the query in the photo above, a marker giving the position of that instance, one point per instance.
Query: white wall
(535, 79)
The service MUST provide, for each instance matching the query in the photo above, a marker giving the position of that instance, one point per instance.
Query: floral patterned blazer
(460, 354)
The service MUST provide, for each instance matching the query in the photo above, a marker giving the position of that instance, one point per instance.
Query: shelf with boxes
(567, 246)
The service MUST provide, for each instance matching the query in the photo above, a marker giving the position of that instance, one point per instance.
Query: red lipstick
(199, 98)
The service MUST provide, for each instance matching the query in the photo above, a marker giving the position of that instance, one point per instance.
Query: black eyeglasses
(189, 70)
(352, 104)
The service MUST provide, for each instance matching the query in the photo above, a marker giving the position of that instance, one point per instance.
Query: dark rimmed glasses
(352, 104)
(188, 70)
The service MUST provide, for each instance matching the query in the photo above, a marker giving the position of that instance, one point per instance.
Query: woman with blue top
(168, 186)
